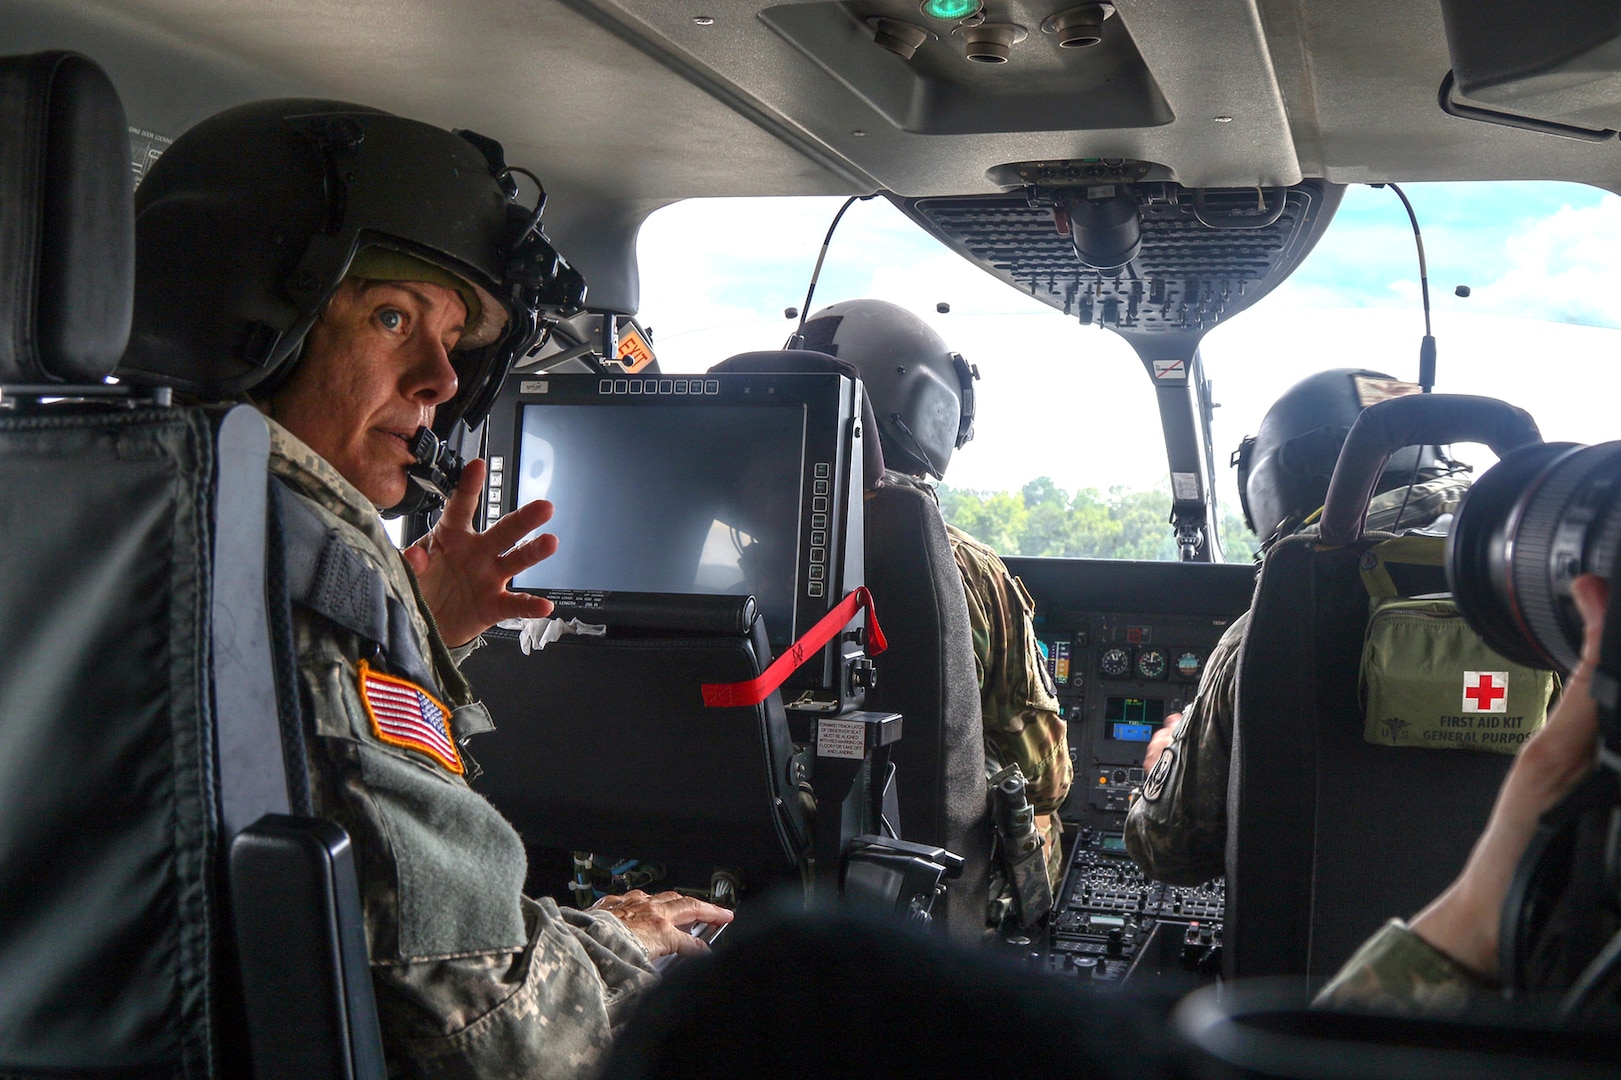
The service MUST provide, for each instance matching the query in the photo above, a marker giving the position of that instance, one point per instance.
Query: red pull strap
(757, 689)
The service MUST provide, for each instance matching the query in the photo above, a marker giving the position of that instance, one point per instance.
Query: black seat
(141, 728)
(606, 745)
(1330, 835)
(928, 673)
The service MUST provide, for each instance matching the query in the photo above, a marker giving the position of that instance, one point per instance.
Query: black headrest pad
(67, 221)
(802, 360)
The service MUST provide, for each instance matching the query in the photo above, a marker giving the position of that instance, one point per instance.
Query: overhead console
(963, 72)
(1115, 243)
(1126, 643)
(1189, 257)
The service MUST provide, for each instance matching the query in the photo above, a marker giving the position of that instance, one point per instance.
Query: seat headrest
(1417, 419)
(795, 361)
(67, 221)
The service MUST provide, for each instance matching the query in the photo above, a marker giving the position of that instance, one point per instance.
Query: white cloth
(536, 634)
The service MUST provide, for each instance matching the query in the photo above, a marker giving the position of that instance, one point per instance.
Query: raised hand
(464, 573)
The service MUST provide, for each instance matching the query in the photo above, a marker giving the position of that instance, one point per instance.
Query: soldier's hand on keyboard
(661, 922)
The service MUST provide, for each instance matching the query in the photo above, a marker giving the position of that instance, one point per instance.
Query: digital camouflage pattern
(472, 978)
(1396, 971)
(1017, 701)
(1176, 830)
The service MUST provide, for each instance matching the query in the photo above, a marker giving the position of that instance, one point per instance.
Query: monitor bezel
(824, 574)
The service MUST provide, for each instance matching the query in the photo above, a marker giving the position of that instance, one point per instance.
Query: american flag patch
(403, 714)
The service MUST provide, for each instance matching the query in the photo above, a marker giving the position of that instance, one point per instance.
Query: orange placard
(634, 351)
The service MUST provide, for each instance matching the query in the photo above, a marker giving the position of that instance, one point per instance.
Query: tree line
(1042, 519)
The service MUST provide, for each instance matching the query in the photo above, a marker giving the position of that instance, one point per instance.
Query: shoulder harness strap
(327, 576)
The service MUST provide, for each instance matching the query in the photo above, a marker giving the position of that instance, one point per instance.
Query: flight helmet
(248, 223)
(922, 393)
(1284, 469)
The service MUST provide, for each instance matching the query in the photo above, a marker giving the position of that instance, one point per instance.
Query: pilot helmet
(922, 393)
(1284, 469)
(249, 222)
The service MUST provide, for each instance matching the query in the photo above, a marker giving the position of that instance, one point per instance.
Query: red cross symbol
(1488, 694)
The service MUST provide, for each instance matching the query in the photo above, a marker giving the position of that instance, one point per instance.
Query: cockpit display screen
(664, 499)
(1129, 719)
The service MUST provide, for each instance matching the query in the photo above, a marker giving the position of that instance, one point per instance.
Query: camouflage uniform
(1177, 828)
(1017, 702)
(1396, 971)
(472, 977)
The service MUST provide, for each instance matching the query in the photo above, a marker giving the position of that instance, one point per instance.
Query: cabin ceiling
(634, 100)
(624, 105)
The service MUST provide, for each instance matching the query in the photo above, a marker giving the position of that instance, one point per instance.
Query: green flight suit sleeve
(1396, 971)
(1176, 830)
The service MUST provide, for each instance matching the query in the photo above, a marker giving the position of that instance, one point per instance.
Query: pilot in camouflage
(1017, 701)
(1176, 830)
(472, 977)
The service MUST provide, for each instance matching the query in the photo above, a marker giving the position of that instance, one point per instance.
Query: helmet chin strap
(433, 475)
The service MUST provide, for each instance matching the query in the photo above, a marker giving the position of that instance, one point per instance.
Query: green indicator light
(951, 9)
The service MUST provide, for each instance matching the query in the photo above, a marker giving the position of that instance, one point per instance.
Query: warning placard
(1170, 371)
(634, 351)
(841, 739)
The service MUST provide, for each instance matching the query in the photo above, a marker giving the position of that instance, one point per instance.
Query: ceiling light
(900, 38)
(991, 43)
(1078, 27)
(951, 9)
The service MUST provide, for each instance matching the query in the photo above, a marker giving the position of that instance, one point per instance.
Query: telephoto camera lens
(1531, 525)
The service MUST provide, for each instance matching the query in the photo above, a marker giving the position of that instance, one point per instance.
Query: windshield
(1068, 459)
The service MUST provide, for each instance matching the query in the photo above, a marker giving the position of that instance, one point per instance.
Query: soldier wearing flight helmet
(368, 280)
(922, 399)
(1176, 830)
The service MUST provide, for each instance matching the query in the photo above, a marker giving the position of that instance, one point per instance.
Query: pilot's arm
(1176, 830)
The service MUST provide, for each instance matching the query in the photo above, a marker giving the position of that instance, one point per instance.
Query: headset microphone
(433, 475)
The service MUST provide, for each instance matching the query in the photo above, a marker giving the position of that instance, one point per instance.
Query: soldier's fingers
(511, 605)
(686, 910)
(463, 501)
(521, 522)
(684, 944)
(526, 555)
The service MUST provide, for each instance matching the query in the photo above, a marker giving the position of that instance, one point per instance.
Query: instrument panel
(1126, 644)
(1118, 677)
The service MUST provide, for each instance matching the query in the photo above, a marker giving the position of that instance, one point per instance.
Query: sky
(1541, 328)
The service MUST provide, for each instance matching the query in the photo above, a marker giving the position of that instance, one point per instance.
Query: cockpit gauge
(1151, 663)
(1188, 665)
(1114, 662)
